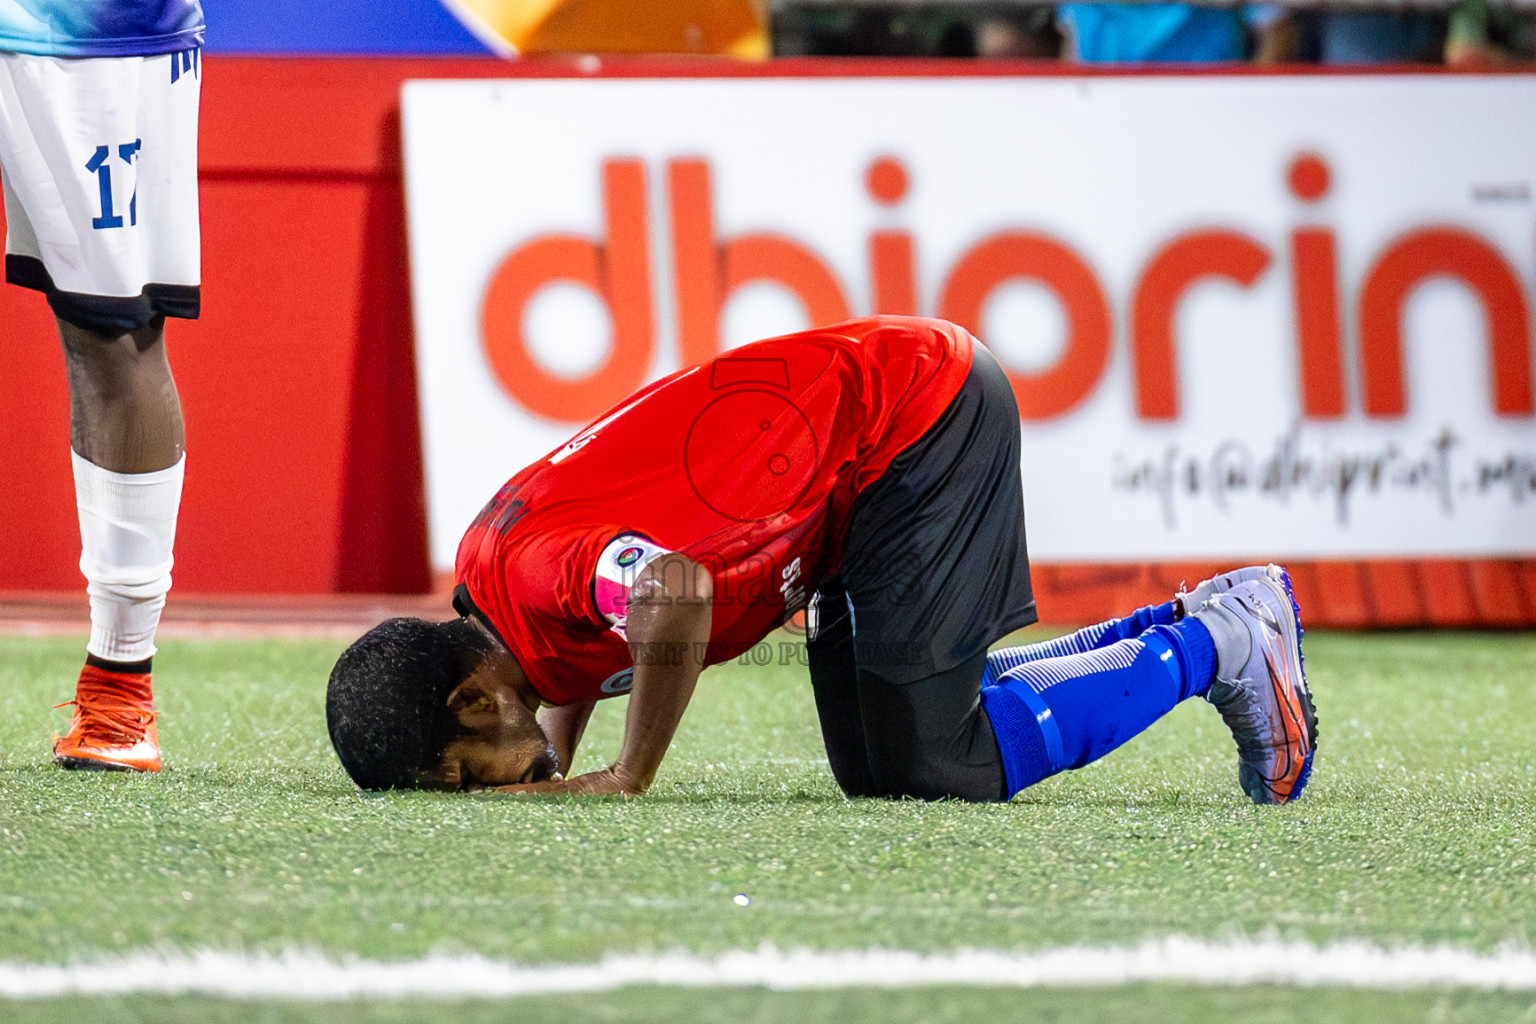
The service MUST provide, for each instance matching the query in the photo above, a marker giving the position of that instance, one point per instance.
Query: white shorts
(98, 157)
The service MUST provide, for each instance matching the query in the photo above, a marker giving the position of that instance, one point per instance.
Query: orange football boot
(113, 728)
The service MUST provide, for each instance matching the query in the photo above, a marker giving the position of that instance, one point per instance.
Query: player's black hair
(386, 703)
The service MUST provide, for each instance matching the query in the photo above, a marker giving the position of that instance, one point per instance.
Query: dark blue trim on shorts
(105, 314)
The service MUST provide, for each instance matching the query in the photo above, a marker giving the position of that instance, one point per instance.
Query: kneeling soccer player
(869, 469)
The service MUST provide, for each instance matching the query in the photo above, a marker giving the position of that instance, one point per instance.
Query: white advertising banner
(1244, 315)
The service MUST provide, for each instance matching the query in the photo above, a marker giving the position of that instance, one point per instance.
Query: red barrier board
(299, 384)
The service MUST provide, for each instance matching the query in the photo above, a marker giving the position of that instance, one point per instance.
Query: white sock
(127, 529)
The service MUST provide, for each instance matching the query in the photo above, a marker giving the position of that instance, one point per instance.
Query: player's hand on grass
(608, 782)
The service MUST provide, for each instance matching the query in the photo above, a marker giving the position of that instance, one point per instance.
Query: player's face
(499, 741)
(480, 761)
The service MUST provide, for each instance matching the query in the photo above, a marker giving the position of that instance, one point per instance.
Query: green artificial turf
(1132, 1004)
(1418, 828)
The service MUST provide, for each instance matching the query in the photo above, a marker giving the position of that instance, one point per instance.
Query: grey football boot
(1261, 687)
(1191, 600)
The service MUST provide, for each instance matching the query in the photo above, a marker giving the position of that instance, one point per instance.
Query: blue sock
(1050, 714)
(1089, 639)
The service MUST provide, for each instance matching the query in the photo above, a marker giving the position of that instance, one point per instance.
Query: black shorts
(935, 562)
(935, 570)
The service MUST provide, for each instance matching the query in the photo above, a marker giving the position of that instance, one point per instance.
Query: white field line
(315, 977)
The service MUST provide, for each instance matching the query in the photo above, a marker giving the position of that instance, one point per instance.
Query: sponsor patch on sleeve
(617, 568)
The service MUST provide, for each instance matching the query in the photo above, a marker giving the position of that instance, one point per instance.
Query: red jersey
(749, 464)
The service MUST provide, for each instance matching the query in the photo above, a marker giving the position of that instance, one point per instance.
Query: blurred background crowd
(1464, 33)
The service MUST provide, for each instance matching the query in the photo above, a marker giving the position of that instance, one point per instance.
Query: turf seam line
(313, 976)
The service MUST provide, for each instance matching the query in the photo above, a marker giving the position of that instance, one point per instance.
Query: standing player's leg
(126, 436)
(99, 156)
